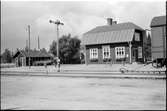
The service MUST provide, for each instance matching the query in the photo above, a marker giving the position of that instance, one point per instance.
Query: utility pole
(38, 44)
(58, 60)
(29, 45)
(26, 43)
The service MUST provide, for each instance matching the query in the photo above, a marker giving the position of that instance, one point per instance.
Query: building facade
(114, 43)
(158, 40)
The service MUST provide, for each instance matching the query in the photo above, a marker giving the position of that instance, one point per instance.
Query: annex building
(158, 42)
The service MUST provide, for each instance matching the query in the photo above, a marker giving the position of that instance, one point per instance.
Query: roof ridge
(119, 26)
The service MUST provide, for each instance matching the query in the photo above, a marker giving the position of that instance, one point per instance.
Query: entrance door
(135, 55)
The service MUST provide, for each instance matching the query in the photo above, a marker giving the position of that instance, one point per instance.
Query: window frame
(137, 36)
(93, 53)
(119, 52)
(106, 49)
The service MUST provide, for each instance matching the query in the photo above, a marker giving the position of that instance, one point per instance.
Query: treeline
(69, 51)
(6, 56)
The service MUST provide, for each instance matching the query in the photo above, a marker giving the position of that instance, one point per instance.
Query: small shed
(22, 57)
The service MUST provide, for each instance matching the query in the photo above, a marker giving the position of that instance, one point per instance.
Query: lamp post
(57, 22)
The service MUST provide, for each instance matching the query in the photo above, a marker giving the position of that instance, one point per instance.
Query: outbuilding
(158, 40)
(114, 43)
(21, 57)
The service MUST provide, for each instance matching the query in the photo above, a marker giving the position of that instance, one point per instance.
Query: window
(120, 52)
(106, 52)
(94, 53)
(137, 36)
(139, 52)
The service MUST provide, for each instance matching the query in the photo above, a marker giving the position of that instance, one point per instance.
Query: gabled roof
(158, 21)
(33, 53)
(108, 37)
(115, 33)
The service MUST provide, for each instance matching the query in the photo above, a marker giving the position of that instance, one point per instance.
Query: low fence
(123, 70)
(7, 65)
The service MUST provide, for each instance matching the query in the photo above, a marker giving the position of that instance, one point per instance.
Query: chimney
(109, 21)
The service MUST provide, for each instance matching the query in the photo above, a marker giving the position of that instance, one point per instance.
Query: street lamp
(57, 22)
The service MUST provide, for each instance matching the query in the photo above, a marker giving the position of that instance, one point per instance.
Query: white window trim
(118, 52)
(106, 49)
(137, 36)
(93, 53)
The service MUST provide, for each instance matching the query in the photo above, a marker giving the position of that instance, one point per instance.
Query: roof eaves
(158, 21)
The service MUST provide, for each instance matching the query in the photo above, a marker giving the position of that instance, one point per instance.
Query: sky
(78, 17)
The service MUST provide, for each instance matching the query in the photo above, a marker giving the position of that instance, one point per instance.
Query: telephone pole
(58, 60)
(29, 45)
(38, 44)
(26, 43)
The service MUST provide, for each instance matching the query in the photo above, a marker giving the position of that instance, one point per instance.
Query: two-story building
(114, 43)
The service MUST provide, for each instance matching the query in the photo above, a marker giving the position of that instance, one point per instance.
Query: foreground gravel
(27, 92)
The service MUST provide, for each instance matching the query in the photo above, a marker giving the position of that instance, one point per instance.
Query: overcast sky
(78, 17)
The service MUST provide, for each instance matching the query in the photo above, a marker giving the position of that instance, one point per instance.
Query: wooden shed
(21, 57)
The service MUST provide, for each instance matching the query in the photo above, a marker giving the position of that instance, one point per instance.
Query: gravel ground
(18, 92)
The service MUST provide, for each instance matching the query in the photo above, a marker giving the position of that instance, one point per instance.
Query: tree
(69, 48)
(6, 56)
(75, 49)
(53, 48)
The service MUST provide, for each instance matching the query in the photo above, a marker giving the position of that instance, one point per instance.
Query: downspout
(85, 56)
(130, 52)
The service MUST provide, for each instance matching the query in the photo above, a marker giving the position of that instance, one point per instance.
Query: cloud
(78, 17)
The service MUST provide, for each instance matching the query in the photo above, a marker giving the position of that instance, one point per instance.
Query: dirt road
(34, 92)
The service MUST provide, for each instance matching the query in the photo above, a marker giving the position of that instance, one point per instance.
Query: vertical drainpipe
(130, 51)
(85, 56)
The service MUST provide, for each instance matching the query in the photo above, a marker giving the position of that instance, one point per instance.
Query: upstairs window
(119, 52)
(137, 36)
(106, 52)
(94, 53)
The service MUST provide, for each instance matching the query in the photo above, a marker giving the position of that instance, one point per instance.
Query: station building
(114, 43)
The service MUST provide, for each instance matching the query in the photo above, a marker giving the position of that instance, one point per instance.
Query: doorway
(135, 55)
